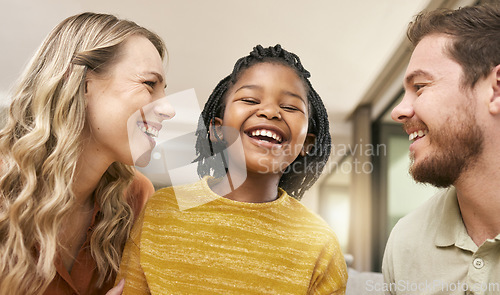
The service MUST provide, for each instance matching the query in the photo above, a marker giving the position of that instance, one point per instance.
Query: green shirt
(430, 252)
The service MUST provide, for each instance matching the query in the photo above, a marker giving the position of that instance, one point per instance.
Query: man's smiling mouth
(417, 134)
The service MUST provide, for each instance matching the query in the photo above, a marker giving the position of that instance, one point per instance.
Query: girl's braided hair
(305, 170)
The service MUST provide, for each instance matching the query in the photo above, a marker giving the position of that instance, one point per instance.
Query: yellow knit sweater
(221, 246)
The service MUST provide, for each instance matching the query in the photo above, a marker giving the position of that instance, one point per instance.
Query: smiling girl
(252, 236)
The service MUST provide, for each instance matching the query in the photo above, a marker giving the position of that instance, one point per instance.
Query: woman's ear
(308, 144)
(494, 104)
(215, 130)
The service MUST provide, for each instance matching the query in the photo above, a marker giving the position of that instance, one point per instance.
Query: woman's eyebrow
(158, 75)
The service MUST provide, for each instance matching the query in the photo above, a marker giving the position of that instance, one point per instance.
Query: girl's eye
(250, 100)
(290, 108)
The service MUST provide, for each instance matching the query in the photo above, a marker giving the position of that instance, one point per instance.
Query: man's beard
(456, 147)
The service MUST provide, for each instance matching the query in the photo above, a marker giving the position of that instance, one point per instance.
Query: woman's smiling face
(268, 108)
(134, 83)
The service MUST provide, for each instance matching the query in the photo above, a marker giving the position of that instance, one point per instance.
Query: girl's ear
(494, 104)
(308, 144)
(215, 130)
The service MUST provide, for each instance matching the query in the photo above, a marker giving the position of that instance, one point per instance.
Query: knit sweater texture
(189, 240)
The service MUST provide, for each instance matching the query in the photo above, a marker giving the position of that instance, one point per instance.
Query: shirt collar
(451, 229)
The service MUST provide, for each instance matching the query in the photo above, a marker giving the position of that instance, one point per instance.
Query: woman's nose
(163, 110)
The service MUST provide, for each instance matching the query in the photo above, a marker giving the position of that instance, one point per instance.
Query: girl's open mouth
(266, 135)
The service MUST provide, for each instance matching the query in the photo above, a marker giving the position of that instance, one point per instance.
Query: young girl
(68, 193)
(249, 234)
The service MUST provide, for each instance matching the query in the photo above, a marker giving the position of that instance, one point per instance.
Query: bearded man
(451, 112)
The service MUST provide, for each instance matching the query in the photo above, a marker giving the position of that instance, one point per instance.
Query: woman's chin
(143, 160)
(141, 152)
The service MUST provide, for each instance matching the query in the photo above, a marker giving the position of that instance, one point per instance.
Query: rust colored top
(83, 277)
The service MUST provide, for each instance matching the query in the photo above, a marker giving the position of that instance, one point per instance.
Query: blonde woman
(68, 193)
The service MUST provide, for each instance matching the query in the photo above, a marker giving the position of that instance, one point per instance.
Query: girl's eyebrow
(289, 93)
(251, 86)
(285, 92)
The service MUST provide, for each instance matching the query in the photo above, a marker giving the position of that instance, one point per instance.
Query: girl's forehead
(257, 70)
(262, 63)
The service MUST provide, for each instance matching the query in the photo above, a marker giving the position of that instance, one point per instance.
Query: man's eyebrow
(409, 79)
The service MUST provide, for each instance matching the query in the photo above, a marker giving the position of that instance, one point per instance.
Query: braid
(304, 171)
(205, 148)
(277, 54)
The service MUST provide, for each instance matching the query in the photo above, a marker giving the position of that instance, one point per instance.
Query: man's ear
(215, 130)
(308, 144)
(494, 104)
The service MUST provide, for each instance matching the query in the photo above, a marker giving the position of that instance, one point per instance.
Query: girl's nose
(270, 112)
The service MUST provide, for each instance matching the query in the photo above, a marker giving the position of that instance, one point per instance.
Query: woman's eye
(150, 83)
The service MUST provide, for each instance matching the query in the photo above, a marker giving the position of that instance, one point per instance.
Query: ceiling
(344, 44)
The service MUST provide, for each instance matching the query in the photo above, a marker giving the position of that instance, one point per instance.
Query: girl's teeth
(266, 133)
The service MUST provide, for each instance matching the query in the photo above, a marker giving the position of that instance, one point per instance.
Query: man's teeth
(416, 134)
(267, 133)
(149, 130)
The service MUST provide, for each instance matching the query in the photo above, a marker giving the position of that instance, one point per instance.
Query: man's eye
(418, 87)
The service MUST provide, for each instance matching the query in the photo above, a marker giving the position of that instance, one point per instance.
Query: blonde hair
(40, 146)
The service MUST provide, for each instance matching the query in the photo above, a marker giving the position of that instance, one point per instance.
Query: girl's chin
(266, 169)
